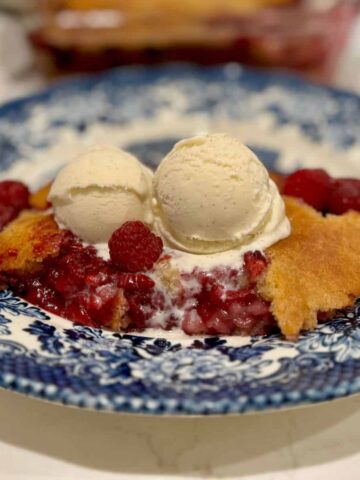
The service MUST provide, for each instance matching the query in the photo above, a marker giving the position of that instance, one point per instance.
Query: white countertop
(39, 440)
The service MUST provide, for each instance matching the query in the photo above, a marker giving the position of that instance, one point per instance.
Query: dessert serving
(210, 243)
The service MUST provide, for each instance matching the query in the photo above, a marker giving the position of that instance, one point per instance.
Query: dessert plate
(288, 123)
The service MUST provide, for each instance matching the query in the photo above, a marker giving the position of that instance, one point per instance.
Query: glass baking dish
(92, 35)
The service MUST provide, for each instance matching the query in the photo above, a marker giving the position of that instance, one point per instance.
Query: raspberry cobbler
(143, 281)
(127, 292)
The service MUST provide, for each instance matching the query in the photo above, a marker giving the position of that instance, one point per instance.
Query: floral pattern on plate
(51, 358)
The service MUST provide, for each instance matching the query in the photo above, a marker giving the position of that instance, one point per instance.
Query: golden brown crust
(39, 199)
(120, 320)
(317, 268)
(28, 240)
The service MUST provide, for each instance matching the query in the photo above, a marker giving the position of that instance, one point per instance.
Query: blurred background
(42, 40)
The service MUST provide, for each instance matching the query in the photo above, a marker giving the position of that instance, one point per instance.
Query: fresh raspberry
(7, 214)
(255, 264)
(311, 185)
(134, 248)
(345, 196)
(15, 194)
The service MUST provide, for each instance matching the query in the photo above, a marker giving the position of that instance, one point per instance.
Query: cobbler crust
(39, 199)
(28, 240)
(315, 269)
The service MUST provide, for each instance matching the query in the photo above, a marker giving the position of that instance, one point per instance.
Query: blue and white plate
(288, 123)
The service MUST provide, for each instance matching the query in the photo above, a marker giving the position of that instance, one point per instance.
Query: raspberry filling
(228, 301)
(80, 286)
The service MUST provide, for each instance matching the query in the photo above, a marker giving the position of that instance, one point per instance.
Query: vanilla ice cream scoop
(95, 194)
(213, 194)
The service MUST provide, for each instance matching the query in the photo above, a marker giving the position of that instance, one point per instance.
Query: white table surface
(40, 440)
